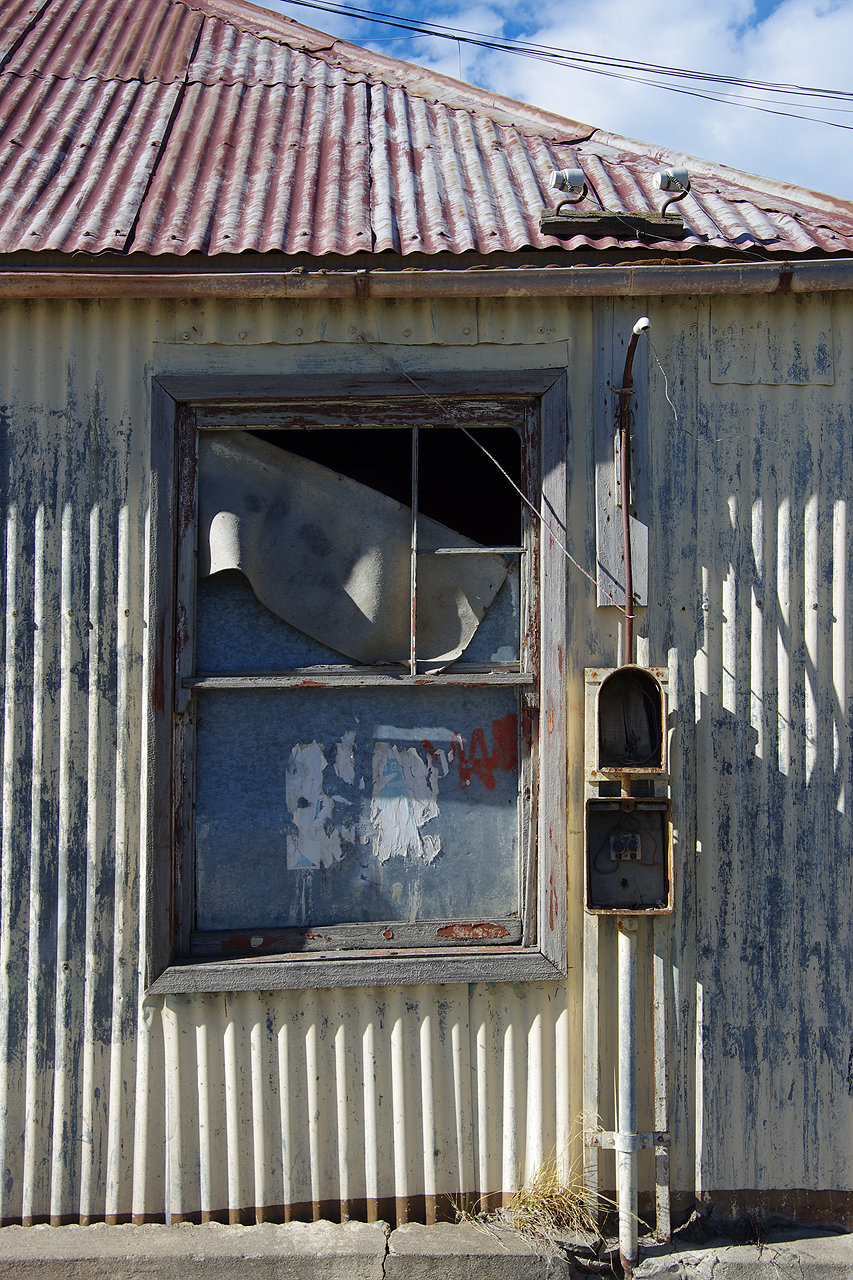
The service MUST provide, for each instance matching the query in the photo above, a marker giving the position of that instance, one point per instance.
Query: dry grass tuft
(550, 1209)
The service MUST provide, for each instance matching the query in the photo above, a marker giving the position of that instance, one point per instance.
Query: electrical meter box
(626, 722)
(627, 827)
(628, 856)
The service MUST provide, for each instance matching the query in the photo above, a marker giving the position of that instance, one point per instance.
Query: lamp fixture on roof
(565, 221)
(677, 180)
(571, 180)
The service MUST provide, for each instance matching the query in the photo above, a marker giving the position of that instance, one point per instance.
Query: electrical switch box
(628, 856)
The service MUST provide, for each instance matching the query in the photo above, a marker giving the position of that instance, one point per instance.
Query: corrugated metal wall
(382, 1101)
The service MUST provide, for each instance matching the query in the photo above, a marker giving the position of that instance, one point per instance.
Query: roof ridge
(416, 80)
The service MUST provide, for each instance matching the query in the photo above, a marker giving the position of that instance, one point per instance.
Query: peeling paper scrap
(345, 758)
(405, 798)
(317, 843)
(332, 556)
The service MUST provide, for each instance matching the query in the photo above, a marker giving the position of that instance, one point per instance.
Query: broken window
(357, 687)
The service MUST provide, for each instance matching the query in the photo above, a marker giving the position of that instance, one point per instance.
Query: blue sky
(804, 42)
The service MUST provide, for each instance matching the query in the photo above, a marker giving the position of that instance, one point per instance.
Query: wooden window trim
(246, 401)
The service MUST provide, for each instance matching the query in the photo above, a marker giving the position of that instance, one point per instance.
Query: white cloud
(800, 41)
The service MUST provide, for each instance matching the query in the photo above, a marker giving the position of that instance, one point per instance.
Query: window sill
(361, 969)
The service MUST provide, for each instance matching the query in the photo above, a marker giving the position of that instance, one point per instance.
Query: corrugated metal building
(214, 219)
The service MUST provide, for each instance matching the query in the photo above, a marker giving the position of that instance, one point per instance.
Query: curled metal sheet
(333, 557)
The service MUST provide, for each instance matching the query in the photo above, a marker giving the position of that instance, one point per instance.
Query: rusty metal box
(626, 722)
(628, 856)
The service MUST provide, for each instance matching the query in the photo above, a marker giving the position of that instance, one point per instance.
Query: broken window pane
(334, 556)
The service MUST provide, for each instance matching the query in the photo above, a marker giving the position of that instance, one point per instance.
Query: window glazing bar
(472, 551)
(353, 679)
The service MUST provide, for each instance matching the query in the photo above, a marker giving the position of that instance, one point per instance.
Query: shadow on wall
(766, 900)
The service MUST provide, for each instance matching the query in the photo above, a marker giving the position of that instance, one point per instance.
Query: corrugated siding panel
(14, 21)
(774, 917)
(411, 322)
(310, 196)
(272, 149)
(110, 40)
(75, 179)
(73, 482)
(231, 55)
(116, 1104)
(753, 484)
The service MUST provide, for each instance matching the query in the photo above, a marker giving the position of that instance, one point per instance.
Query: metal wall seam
(38, 1068)
(94, 952)
(11, 877)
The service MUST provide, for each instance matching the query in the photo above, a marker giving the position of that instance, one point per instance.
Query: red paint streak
(478, 759)
(482, 930)
(310, 684)
(560, 658)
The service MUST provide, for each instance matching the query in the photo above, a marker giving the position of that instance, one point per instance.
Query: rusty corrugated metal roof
(164, 126)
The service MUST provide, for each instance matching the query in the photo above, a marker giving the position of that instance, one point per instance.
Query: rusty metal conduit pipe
(626, 1121)
(642, 326)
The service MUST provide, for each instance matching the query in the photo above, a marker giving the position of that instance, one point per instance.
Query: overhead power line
(627, 69)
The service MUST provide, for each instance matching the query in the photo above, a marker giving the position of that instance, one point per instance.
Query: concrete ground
(362, 1251)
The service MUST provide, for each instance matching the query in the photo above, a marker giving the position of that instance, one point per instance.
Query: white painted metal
(205, 1104)
(626, 1120)
(660, 1020)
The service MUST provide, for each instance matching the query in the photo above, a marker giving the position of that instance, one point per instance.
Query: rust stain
(528, 724)
(249, 942)
(242, 942)
(482, 930)
(560, 658)
(786, 275)
(553, 905)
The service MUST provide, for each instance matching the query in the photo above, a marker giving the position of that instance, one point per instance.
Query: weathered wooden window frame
(181, 404)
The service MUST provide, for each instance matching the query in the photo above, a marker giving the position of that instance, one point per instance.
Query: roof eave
(807, 276)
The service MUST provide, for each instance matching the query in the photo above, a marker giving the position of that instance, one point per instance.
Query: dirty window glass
(359, 679)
